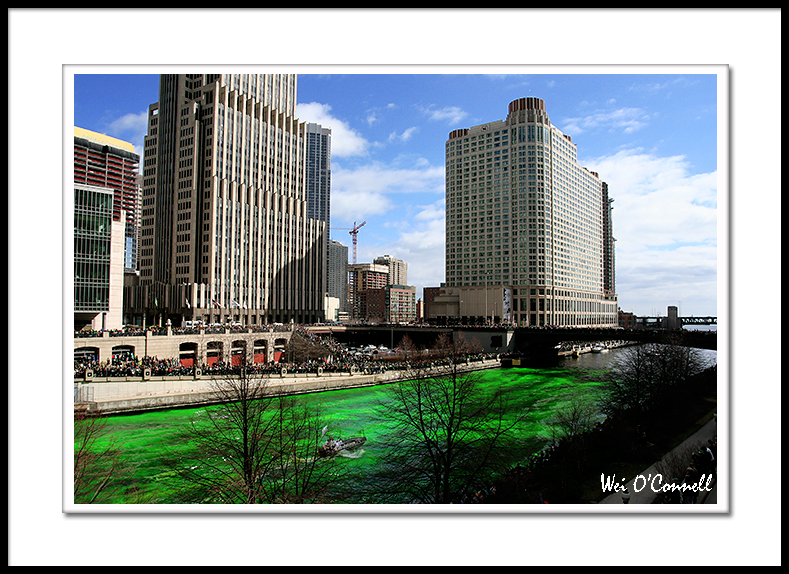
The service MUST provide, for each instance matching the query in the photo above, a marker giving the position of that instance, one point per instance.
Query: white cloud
(431, 212)
(405, 136)
(372, 188)
(345, 141)
(383, 178)
(131, 128)
(356, 204)
(666, 224)
(421, 245)
(450, 114)
(627, 120)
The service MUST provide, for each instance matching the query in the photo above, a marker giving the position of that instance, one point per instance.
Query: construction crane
(354, 231)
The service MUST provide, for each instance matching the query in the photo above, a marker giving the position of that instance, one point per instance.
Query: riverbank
(569, 471)
(123, 396)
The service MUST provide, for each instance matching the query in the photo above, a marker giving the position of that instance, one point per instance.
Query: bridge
(534, 342)
(660, 322)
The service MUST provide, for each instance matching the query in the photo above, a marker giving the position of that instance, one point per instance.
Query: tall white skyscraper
(525, 218)
(225, 228)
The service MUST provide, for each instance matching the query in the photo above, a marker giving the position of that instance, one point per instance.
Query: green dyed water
(145, 439)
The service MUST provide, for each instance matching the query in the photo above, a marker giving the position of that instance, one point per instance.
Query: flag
(234, 303)
(188, 304)
(215, 303)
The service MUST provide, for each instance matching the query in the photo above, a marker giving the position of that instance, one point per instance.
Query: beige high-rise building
(225, 232)
(526, 225)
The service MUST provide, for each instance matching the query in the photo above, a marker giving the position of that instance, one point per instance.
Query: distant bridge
(699, 320)
(659, 322)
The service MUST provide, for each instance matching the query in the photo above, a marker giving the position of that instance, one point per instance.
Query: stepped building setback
(226, 230)
(528, 230)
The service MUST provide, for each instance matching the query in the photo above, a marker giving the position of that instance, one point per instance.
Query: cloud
(349, 205)
(435, 211)
(627, 120)
(374, 188)
(665, 221)
(345, 141)
(131, 128)
(403, 137)
(421, 244)
(452, 115)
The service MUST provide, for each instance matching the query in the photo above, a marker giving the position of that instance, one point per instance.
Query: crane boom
(354, 233)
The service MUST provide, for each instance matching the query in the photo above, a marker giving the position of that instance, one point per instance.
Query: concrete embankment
(111, 396)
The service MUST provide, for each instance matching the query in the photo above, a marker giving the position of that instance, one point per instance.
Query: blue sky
(652, 136)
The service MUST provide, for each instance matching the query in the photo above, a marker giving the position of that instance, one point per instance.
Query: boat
(332, 447)
(599, 348)
(578, 350)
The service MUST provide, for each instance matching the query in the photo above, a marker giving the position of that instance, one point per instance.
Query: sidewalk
(647, 495)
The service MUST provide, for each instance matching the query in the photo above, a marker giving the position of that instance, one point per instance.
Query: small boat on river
(599, 348)
(334, 446)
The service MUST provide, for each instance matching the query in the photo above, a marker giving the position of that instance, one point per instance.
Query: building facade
(398, 269)
(400, 301)
(105, 161)
(226, 234)
(337, 272)
(98, 259)
(364, 277)
(524, 216)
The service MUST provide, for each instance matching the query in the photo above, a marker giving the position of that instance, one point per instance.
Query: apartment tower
(527, 224)
(225, 230)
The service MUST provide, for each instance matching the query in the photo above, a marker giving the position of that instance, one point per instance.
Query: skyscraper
(318, 162)
(225, 229)
(527, 224)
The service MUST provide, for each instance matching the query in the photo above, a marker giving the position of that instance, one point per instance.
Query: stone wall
(112, 396)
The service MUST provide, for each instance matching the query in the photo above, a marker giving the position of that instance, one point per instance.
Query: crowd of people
(703, 465)
(338, 360)
(128, 365)
(187, 329)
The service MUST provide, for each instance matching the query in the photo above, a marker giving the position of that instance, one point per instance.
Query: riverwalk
(110, 396)
(640, 489)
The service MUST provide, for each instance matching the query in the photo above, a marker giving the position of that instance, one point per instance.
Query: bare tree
(647, 377)
(296, 475)
(100, 473)
(301, 349)
(253, 446)
(450, 434)
(572, 423)
(577, 417)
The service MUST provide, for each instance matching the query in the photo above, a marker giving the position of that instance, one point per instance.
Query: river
(144, 438)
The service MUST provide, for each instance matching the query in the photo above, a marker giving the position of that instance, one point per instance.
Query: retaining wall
(112, 396)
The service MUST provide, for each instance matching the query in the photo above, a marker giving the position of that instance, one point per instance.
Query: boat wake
(356, 453)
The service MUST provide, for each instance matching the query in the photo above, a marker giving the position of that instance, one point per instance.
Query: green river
(144, 438)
